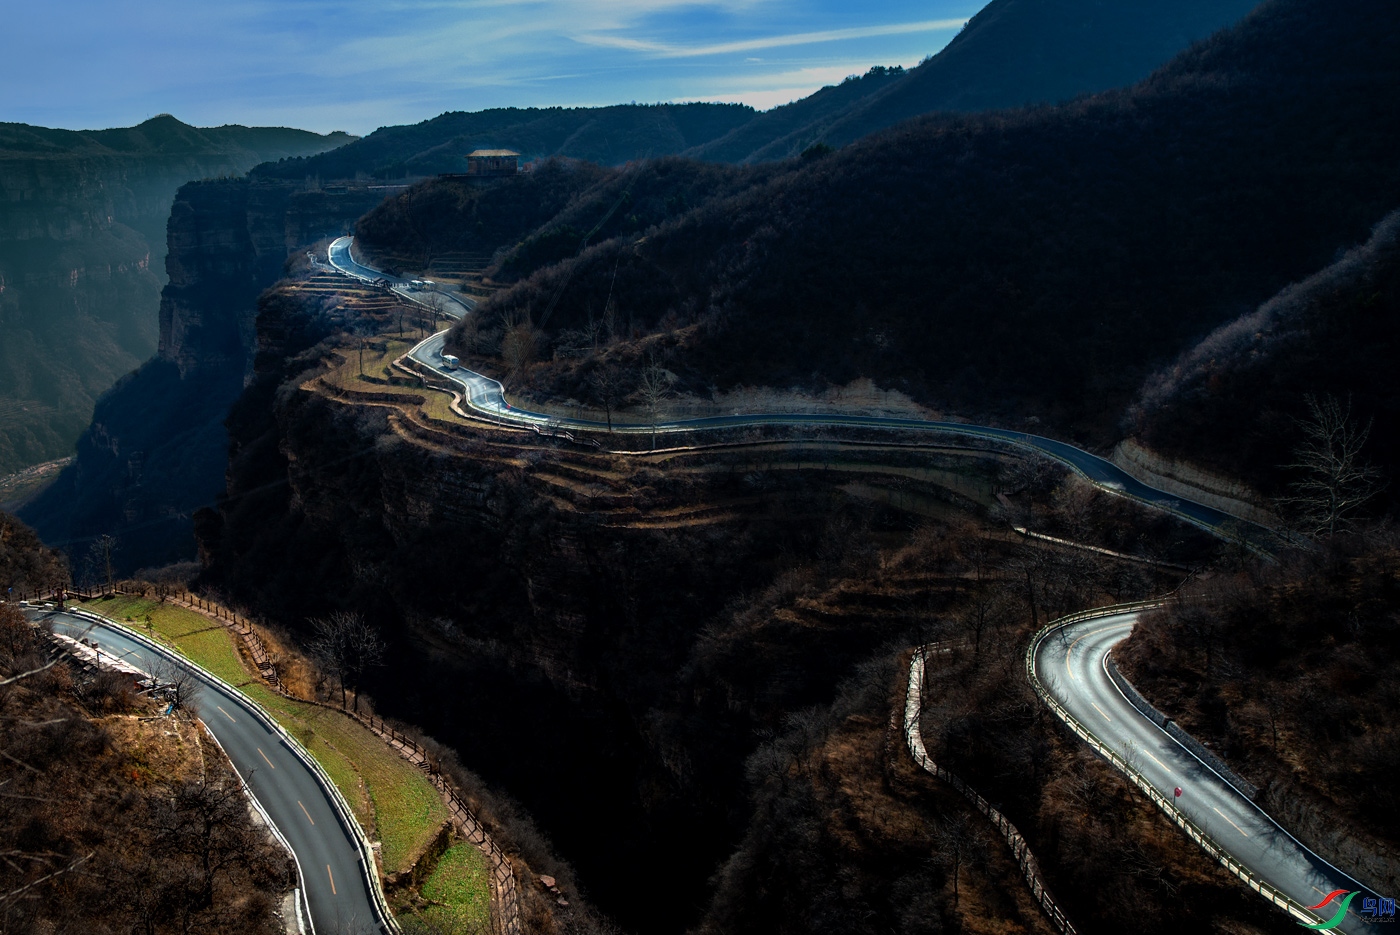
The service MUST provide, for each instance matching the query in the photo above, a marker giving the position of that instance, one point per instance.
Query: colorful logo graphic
(1336, 920)
(1380, 910)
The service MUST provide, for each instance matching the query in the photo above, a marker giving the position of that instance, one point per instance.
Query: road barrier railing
(1265, 889)
(1020, 849)
(506, 917)
(368, 869)
(1021, 440)
(505, 907)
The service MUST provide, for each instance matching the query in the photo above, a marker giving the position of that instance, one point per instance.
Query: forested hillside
(1234, 402)
(606, 135)
(1022, 264)
(548, 213)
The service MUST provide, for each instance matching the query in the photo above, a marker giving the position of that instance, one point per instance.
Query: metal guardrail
(506, 917)
(1020, 849)
(505, 909)
(1167, 506)
(1270, 892)
(386, 918)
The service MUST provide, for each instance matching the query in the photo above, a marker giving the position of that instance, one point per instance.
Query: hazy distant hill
(82, 254)
(1033, 262)
(1013, 52)
(606, 135)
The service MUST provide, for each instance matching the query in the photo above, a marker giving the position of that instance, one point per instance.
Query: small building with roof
(492, 163)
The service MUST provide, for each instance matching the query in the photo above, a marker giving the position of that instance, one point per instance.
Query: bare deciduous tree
(177, 683)
(653, 388)
(519, 345)
(100, 555)
(346, 646)
(1336, 480)
(607, 383)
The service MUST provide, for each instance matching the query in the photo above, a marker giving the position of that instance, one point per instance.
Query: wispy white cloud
(356, 64)
(764, 91)
(667, 50)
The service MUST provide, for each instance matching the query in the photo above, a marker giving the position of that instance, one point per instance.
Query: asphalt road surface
(334, 890)
(1070, 663)
(452, 304)
(487, 397)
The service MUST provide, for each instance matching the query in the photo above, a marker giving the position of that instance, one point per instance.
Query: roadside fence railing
(1020, 849)
(1270, 892)
(505, 904)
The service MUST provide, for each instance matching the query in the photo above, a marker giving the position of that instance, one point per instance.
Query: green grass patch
(391, 798)
(196, 637)
(461, 888)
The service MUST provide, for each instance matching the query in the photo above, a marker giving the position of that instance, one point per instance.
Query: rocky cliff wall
(82, 239)
(156, 448)
(549, 611)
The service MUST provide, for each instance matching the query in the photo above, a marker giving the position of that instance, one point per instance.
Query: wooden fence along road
(505, 890)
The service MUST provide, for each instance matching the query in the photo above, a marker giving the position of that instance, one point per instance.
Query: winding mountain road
(334, 894)
(487, 397)
(1070, 661)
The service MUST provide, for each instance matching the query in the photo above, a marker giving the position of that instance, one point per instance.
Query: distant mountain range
(1012, 53)
(82, 256)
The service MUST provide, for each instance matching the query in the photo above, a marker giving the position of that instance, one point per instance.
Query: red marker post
(1178, 792)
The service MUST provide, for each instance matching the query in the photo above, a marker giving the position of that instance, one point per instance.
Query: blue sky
(356, 65)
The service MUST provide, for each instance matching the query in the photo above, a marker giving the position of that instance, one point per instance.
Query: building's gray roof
(492, 152)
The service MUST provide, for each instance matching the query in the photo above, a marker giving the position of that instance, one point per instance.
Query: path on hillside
(1070, 662)
(335, 891)
(487, 397)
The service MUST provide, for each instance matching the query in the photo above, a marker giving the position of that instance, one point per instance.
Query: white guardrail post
(1020, 848)
(386, 918)
(1274, 895)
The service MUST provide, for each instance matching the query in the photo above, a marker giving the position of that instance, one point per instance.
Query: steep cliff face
(606, 638)
(542, 606)
(82, 224)
(156, 447)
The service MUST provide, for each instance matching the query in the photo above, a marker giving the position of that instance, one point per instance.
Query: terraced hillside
(634, 620)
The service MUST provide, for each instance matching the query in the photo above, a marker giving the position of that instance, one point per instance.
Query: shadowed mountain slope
(1029, 263)
(606, 135)
(1012, 53)
(82, 241)
(1233, 401)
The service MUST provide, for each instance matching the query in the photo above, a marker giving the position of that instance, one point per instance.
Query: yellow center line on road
(1100, 710)
(306, 813)
(1157, 761)
(332, 879)
(225, 713)
(265, 759)
(1084, 636)
(1232, 824)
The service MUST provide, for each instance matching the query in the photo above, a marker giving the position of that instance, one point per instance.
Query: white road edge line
(1181, 746)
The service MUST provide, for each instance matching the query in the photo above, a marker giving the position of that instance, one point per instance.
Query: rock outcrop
(156, 449)
(82, 224)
